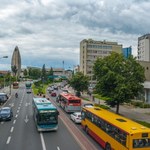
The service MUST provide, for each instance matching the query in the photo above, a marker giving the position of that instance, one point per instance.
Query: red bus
(15, 85)
(69, 102)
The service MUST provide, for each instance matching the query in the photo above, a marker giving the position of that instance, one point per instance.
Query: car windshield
(3, 97)
(47, 118)
(5, 111)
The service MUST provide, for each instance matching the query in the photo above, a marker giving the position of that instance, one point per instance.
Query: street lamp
(4, 57)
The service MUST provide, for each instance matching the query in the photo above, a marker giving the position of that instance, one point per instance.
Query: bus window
(141, 143)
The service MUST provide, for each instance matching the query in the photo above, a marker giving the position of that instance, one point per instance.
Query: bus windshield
(47, 118)
(141, 143)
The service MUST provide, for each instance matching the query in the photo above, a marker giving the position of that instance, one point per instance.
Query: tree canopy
(118, 78)
(79, 82)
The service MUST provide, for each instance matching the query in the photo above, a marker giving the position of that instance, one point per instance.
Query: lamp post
(3, 57)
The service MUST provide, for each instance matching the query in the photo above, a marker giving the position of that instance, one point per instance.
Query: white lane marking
(42, 141)
(20, 105)
(12, 129)
(17, 111)
(58, 148)
(2, 122)
(18, 108)
(8, 140)
(16, 116)
(14, 121)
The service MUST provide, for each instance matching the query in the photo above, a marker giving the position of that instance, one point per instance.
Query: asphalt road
(20, 133)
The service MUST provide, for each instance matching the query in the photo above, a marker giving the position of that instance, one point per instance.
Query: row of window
(98, 52)
(100, 46)
(111, 130)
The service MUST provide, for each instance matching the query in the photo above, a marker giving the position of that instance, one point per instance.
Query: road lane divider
(42, 141)
(12, 129)
(14, 121)
(8, 140)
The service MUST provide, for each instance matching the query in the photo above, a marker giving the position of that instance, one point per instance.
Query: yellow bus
(114, 132)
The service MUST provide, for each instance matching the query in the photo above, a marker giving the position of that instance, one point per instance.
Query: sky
(50, 31)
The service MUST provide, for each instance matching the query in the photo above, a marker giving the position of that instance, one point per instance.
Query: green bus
(45, 114)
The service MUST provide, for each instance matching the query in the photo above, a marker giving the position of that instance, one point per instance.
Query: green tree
(79, 82)
(34, 73)
(25, 72)
(50, 74)
(14, 69)
(118, 78)
(43, 75)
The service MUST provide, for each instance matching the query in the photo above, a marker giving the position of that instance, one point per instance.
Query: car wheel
(87, 130)
(107, 147)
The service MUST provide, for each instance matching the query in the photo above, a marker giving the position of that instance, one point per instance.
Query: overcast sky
(49, 31)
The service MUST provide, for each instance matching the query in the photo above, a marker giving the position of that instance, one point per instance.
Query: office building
(90, 50)
(127, 51)
(144, 48)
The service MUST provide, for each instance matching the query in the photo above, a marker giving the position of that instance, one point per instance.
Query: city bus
(114, 132)
(69, 102)
(45, 114)
(15, 85)
(28, 87)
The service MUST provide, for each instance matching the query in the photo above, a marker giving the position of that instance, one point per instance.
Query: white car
(76, 117)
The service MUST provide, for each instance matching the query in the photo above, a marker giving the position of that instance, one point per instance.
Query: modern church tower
(16, 62)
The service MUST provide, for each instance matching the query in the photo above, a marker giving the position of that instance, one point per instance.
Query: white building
(144, 48)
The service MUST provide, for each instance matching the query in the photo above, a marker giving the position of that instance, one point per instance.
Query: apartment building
(90, 50)
(144, 48)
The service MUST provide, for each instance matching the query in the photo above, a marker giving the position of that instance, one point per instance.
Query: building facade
(16, 62)
(127, 51)
(90, 50)
(144, 48)
(146, 84)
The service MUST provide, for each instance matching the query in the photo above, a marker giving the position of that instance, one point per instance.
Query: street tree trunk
(117, 109)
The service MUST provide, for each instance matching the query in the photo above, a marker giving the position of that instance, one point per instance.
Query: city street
(21, 132)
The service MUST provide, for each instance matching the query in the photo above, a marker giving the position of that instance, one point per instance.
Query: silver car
(76, 117)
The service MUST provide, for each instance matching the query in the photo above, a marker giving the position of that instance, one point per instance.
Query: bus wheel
(87, 130)
(107, 147)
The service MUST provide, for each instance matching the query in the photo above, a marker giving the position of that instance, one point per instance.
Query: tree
(50, 74)
(44, 77)
(79, 82)
(14, 69)
(34, 73)
(118, 78)
(25, 72)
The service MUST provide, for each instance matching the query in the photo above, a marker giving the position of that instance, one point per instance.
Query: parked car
(53, 94)
(6, 113)
(3, 97)
(76, 117)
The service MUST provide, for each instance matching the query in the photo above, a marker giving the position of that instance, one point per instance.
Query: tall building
(144, 48)
(90, 50)
(16, 62)
(127, 51)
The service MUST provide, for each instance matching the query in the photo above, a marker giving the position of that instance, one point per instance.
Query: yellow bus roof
(119, 121)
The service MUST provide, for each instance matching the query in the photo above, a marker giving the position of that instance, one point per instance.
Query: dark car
(3, 97)
(6, 113)
(53, 94)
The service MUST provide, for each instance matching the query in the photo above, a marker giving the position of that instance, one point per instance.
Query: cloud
(50, 31)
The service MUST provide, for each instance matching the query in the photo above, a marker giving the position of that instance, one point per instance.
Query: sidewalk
(140, 114)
